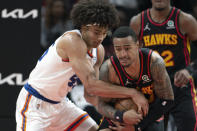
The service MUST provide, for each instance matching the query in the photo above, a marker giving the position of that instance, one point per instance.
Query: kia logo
(19, 14)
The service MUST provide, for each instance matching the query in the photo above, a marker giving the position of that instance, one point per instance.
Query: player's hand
(121, 127)
(181, 78)
(141, 102)
(131, 117)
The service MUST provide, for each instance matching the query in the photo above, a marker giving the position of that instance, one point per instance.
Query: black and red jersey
(144, 81)
(166, 39)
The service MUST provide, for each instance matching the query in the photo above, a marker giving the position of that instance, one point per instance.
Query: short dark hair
(124, 31)
(100, 12)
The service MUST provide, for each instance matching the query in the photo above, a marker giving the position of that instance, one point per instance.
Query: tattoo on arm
(162, 83)
(105, 105)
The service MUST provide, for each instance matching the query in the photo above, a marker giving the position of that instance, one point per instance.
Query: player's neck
(160, 15)
(89, 49)
(134, 69)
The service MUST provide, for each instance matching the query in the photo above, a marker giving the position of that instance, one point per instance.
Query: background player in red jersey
(168, 31)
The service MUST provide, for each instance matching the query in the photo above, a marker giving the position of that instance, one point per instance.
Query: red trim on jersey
(142, 63)
(110, 122)
(125, 73)
(121, 81)
(160, 24)
(185, 50)
(90, 54)
(149, 55)
(193, 100)
(177, 28)
(142, 26)
(65, 60)
(186, 53)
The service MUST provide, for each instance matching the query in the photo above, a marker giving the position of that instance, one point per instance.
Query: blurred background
(27, 28)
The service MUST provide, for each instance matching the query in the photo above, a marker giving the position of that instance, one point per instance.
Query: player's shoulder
(135, 23)
(106, 66)
(106, 63)
(109, 63)
(71, 36)
(71, 43)
(185, 17)
(136, 19)
(156, 58)
(72, 39)
(185, 14)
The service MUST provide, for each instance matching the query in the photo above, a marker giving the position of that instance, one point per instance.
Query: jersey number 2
(167, 55)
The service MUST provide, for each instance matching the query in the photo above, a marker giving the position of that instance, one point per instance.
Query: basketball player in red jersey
(168, 31)
(141, 69)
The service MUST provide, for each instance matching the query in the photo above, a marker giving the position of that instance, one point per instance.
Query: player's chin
(125, 64)
(96, 44)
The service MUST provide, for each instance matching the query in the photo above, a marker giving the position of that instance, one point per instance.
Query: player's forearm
(104, 89)
(164, 90)
(91, 98)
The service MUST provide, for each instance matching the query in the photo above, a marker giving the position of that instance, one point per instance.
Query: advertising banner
(20, 48)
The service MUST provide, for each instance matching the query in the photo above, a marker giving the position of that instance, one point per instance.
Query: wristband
(189, 69)
(119, 116)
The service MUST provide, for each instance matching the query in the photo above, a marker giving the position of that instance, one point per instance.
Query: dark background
(19, 51)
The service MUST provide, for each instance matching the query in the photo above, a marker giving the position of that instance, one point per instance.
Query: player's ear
(140, 44)
(137, 43)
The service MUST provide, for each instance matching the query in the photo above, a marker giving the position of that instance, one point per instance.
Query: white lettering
(19, 14)
(13, 79)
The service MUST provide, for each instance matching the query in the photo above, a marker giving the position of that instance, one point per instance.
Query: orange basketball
(125, 104)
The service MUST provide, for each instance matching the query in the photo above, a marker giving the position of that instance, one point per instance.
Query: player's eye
(118, 49)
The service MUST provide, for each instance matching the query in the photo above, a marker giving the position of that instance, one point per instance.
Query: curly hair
(100, 12)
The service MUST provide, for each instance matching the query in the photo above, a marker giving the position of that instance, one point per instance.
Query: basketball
(125, 104)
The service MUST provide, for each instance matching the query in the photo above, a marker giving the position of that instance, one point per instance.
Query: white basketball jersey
(52, 77)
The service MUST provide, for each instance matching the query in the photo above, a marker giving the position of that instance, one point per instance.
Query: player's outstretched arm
(72, 47)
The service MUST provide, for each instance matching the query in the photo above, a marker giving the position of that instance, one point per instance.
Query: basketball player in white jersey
(76, 55)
